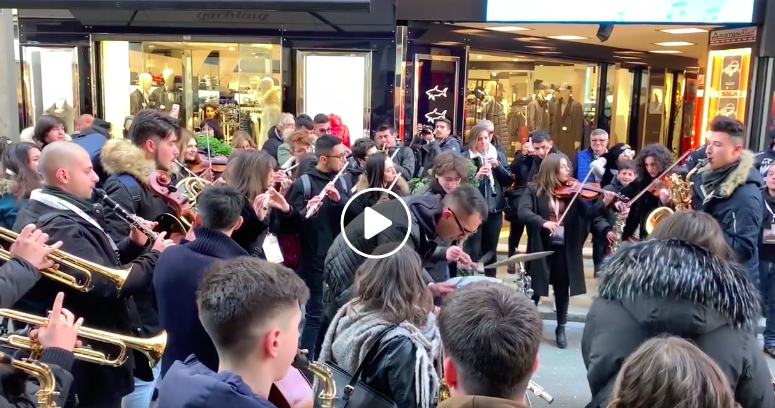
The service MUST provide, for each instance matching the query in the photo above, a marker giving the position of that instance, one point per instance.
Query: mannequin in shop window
(538, 111)
(165, 97)
(270, 107)
(495, 111)
(570, 125)
(63, 111)
(140, 98)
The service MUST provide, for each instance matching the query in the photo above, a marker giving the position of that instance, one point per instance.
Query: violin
(587, 190)
(160, 183)
(202, 163)
(663, 182)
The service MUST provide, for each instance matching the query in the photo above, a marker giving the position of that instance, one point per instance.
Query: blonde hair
(473, 134)
(546, 179)
(670, 372)
(241, 136)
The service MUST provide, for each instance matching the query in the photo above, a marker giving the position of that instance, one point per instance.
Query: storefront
(632, 80)
(239, 69)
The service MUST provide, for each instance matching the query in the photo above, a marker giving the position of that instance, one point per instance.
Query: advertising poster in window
(436, 84)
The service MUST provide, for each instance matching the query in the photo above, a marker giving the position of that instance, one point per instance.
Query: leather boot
(559, 333)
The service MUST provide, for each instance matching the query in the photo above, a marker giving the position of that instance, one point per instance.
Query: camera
(426, 130)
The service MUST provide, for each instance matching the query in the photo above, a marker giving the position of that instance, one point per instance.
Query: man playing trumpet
(62, 210)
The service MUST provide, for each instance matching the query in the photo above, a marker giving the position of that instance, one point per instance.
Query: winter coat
(538, 115)
(478, 401)
(640, 209)
(9, 203)
(103, 306)
(118, 157)
(429, 150)
(17, 277)
(404, 161)
(191, 384)
(339, 129)
(273, 141)
(501, 176)
(738, 207)
(534, 212)
(342, 262)
(360, 203)
(696, 156)
(60, 362)
(674, 288)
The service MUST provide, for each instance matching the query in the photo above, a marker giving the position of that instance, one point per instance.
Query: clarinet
(126, 216)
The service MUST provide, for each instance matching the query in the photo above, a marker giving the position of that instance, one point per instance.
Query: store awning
(276, 5)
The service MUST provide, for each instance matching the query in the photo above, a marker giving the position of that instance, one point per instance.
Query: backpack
(133, 188)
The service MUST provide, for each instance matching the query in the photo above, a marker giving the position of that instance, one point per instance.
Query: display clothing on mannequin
(538, 115)
(570, 126)
(64, 111)
(495, 113)
(163, 98)
(138, 101)
(270, 112)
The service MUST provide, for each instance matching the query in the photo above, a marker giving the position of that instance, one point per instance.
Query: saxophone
(46, 380)
(618, 229)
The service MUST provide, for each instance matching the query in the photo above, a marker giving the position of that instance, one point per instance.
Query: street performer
(62, 210)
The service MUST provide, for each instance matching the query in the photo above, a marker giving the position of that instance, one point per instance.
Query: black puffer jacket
(273, 141)
(342, 262)
(670, 287)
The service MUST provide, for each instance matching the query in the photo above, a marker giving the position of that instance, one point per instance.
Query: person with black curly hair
(650, 162)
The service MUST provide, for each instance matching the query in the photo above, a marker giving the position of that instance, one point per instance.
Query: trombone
(152, 348)
(117, 276)
(46, 381)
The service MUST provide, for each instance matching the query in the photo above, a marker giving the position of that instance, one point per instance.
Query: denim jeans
(313, 312)
(141, 396)
(767, 281)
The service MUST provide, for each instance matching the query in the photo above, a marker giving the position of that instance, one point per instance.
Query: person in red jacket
(339, 129)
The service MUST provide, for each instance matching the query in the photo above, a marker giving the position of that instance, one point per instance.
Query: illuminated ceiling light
(674, 43)
(529, 39)
(666, 52)
(628, 52)
(549, 52)
(479, 56)
(151, 46)
(508, 29)
(627, 58)
(516, 59)
(231, 48)
(448, 43)
(688, 30)
(468, 31)
(538, 47)
(568, 37)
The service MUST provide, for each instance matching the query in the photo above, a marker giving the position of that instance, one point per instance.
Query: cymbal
(519, 258)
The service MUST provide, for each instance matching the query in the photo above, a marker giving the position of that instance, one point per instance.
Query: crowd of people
(256, 266)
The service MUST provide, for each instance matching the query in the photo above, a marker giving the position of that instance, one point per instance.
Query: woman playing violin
(556, 222)
(649, 164)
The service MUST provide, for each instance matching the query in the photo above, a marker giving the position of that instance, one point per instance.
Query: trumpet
(126, 216)
(152, 348)
(312, 210)
(117, 276)
(321, 372)
(46, 380)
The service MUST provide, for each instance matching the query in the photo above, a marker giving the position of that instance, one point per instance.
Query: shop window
(51, 81)
(623, 108)
(236, 86)
(523, 94)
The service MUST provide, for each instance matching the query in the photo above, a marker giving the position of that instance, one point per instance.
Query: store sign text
(733, 36)
(728, 94)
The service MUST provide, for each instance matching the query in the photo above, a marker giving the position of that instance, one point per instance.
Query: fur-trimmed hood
(121, 156)
(7, 186)
(679, 288)
(401, 188)
(744, 173)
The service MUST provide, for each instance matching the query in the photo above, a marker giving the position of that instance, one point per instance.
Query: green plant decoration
(217, 147)
(418, 183)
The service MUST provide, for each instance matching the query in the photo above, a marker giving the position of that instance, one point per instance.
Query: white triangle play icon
(374, 223)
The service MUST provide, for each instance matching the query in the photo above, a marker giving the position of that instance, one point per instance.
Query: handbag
(350, 391)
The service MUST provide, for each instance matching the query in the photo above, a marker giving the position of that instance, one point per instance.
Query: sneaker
(770, 350)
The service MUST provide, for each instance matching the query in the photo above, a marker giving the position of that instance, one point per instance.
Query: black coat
(392, 371)
(358, 204)
(273, 141)
(342, 262)
(404, 161)
(640, 209)
(176, 279)
(738, 208)
(643, 293)
(17, 276)
(102, 307)
(17, 389)
(534, 212)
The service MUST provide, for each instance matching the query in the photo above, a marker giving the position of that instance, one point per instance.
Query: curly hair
(661, 154)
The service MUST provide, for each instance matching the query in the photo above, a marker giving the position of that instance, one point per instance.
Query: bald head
(68, 166)
(84, 121)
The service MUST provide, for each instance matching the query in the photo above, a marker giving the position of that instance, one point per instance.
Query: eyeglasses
(599, 141)
(341, 156)
(459, 225)
(326, 130)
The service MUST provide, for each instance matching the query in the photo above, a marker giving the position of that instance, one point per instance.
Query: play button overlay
(374, 223)
(386, 222)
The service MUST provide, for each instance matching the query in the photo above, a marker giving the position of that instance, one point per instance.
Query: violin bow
(209, 153)
(658, 179)
(575, 195)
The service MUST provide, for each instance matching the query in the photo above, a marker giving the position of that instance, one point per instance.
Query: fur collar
(401, 188)
(7, 186)
(678, 270)
(121, 156)
(735, 179)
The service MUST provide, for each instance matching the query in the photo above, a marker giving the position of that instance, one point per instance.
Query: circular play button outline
(408, 227)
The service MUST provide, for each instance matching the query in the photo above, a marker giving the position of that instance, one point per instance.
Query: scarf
(712, 179)
(354, 330)
(81, 204)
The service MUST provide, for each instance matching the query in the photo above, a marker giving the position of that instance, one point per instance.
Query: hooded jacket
(670, 287)
(737, 205)
(478, 401)
(273, 141)
(342, 262)
(190, 384)
(359, 204)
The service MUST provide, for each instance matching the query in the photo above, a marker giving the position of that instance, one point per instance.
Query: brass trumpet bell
(152, 348)
(117, 276)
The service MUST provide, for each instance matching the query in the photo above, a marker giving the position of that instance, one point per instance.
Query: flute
(126, 216)
(539, 392)
(312, 210)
